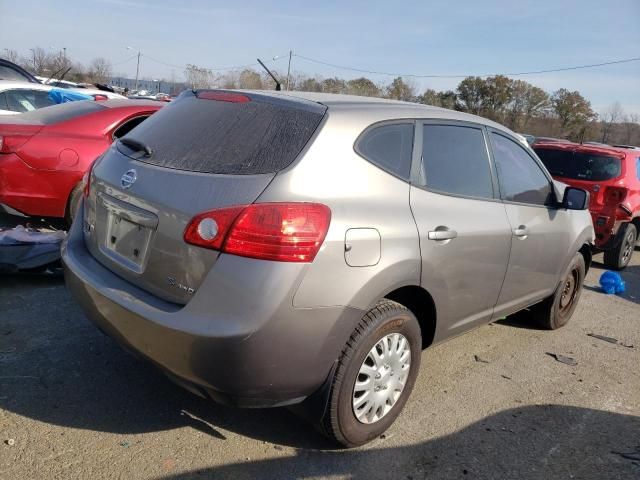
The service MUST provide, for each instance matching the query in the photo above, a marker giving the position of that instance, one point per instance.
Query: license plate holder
(128, 241)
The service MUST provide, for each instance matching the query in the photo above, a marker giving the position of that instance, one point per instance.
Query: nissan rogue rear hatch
(208, 149)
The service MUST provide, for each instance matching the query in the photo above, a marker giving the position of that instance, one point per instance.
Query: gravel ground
(73, 405)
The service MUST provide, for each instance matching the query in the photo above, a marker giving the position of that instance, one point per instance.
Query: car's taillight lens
(100, 98)
(86, 181)
(285, 232)
(614, 195)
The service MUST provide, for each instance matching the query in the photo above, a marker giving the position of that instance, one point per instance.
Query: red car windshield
(587, 166)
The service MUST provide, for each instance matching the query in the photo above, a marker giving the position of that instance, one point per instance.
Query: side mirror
(575, 199)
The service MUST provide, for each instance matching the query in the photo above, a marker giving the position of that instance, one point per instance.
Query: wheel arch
(420, 302)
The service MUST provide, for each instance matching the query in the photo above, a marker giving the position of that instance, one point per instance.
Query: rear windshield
(57, 113)
(579, 165)
(261, 134)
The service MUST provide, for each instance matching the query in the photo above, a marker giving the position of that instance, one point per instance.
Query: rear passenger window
(638, 167)
(455, 161)
(389, 147)
(521, 179)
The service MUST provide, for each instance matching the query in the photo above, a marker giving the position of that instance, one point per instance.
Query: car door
(541, 233)
(465, 236)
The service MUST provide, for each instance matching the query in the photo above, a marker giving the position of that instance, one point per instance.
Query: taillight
(614, 195)
(223, 96)
(285, 232)
(99, 97)
(86, 181)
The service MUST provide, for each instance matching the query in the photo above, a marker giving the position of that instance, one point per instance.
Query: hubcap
(628, 248)
(569, 291)
(381, 378)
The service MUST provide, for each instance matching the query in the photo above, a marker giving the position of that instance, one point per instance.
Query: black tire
(340, 422)
(72, 204)
(619, 257)
(556, 311)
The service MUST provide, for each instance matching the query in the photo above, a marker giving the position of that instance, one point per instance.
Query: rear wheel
(375, 375)
(555, 311)
(619, 257)
(72, 205)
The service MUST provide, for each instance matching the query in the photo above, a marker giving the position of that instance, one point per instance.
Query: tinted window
(126, 127)
(521, 179)
(638, 167)
(455, 160)
(24, 100)
(262, 135)
(579, 165)
(389, 147)
(3, 102)
(7, 73)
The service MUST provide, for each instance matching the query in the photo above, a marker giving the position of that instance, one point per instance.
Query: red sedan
(45, 153)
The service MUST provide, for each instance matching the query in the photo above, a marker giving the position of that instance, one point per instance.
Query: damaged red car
(612, 177)
(45, 153)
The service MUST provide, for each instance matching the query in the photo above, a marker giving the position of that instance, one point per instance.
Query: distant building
(152, 86)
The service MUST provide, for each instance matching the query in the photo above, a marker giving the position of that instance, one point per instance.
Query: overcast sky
(419, 37)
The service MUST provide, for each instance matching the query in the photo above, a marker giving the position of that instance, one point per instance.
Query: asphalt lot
(73, 405)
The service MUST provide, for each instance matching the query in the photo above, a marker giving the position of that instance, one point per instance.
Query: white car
(81, 88)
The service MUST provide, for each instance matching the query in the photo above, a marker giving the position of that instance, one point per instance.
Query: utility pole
(289, 68)
(137, 66)
(137, 70)
(64, 53)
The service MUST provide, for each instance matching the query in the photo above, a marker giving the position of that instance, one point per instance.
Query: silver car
(267, 249)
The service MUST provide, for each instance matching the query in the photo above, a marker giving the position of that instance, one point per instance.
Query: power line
(125, 61)
(235, 67)
(373, 72)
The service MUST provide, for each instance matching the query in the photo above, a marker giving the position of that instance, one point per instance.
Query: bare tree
(99, 70)
(39, 61)
(198, 77)
(612, 115)
(631, 127)
(11, 55)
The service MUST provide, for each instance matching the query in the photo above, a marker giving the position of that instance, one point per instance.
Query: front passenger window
(521, 179)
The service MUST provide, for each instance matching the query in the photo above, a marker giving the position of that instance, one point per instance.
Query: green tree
(400, 90)
(250, 79)
(430, 97)
(470, 94)
(363, 86)
(573, 111)
(334, 85)
(309, 85)
(496, 94)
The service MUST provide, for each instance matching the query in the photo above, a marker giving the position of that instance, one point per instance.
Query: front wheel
(375, 375)
(555, 311)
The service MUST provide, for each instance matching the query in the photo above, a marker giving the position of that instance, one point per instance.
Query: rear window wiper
(137, 146)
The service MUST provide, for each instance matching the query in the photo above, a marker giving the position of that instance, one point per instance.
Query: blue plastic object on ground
(60, 95)
(611, 282)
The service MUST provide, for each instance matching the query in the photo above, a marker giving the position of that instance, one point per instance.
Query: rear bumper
(239, 340)
(607, 227)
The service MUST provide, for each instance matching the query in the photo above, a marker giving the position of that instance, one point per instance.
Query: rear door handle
(442, 234)
(522, 231)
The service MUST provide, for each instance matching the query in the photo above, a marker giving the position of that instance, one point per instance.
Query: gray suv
(270, 248)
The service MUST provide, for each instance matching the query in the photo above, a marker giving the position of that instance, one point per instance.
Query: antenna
(278, 86)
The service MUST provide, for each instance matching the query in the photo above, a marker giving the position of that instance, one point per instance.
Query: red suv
(612, 177)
